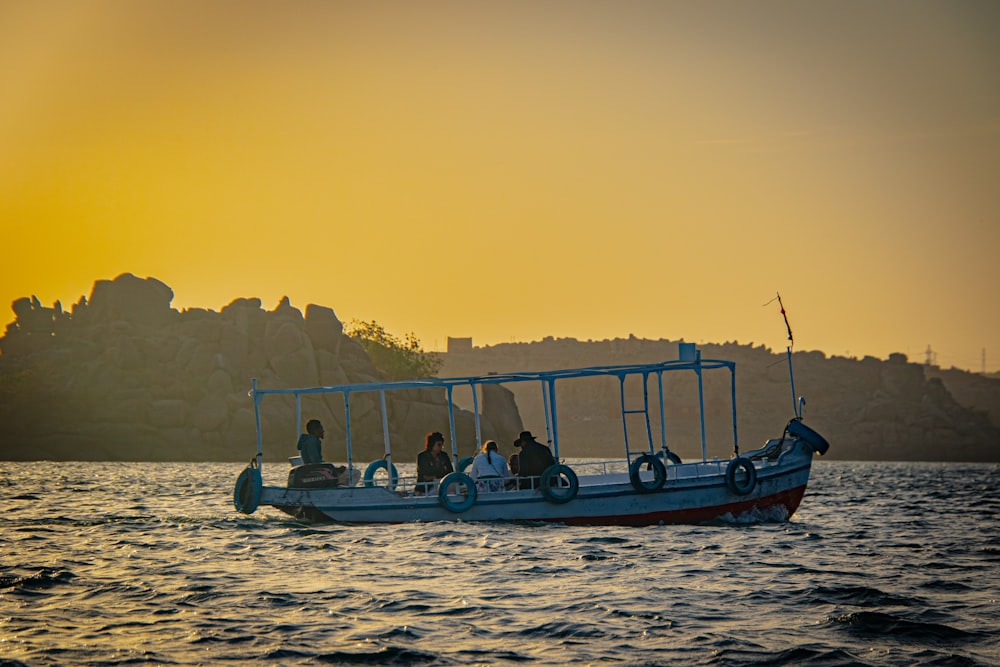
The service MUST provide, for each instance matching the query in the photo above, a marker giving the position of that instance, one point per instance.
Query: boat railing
(651, 374)
(407, 485)
(601, 467)
(586, 470)
(689, 470)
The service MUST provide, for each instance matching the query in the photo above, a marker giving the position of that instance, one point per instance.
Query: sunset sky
(513, 170)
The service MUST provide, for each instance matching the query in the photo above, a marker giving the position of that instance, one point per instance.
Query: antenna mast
(796, 405)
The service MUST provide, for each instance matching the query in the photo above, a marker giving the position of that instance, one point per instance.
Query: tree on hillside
(395, 358)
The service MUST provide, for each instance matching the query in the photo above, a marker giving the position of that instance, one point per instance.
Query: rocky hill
(869, 409)
(122, 375)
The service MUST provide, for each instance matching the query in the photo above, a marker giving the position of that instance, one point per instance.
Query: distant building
(459, 344)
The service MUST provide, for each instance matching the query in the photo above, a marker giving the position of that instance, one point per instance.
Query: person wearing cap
(432, 464)
(533, 460)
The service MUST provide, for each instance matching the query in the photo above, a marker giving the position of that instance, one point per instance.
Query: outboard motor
(313, 476)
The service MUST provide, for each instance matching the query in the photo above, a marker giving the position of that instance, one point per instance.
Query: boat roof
(619, 371)
(690, 360)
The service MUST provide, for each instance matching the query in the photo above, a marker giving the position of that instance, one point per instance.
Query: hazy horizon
(510, 171)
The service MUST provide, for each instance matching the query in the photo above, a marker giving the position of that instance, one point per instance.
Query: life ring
(673, 458)
(741, 488)
(467, 501)
(375, 466)
(797, 429)
(552, 486)
(651, 463)
(463, 464)
(247, 492)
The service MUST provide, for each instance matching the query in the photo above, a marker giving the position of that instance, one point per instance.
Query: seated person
(489, 469)
(313, 472)
(515, 459)
(533, 460)
(432, 464)
(310, 442)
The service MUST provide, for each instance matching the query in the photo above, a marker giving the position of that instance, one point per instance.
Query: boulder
(355, 361)
(296, 368)
(247, 316)
(330, 371)
(212, 413)
(174, 443)
(286, 312)
(283, 337)
(34, 318)
(242, 430)
(235, 344)
(124, 353)
(167, 413)
(130, 406)
(141, 301)
(219, 383)
(201, 324)
(323, 328)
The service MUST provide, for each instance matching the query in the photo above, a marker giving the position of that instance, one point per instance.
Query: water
(115, 564)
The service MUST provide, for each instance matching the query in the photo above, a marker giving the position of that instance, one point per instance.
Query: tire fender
(248, 489)
(652, 463)
(745, 486)
(552, 487)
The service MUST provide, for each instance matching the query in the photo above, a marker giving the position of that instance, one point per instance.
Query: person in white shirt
(489, 469)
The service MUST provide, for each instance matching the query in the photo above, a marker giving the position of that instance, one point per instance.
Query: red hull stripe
(787, 501)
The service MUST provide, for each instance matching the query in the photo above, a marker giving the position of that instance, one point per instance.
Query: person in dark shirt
(533, 460)
(310, 442)
(514, 460)
(432, 464)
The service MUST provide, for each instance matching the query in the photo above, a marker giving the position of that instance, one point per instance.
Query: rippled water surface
(113, 564)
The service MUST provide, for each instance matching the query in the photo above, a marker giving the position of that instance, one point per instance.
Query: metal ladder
(629, 452)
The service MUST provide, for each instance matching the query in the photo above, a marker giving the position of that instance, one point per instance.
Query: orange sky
(511, 170)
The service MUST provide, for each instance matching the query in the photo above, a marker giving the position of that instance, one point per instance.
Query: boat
(644, 483)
